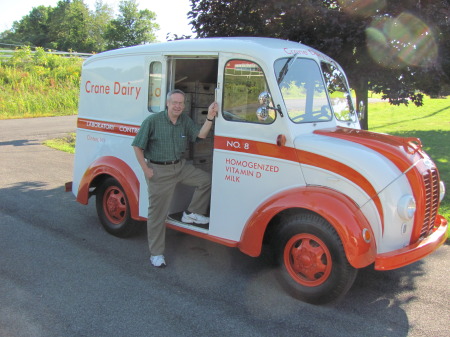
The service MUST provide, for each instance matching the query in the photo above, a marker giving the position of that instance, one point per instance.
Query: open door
(197, 78)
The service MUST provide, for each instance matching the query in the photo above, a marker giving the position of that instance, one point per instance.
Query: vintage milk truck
(291, 169)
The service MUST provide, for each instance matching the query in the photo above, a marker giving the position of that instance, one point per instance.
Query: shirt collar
(166, 114)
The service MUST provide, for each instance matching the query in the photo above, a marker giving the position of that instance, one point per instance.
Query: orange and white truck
(292, 171)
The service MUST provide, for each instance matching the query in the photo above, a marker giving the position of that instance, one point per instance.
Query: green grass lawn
(38, 84)
(66, 144)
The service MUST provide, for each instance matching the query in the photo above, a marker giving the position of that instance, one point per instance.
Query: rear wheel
(113, 209)
(313, 266)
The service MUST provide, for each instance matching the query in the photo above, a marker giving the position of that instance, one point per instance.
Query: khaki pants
(160, 191)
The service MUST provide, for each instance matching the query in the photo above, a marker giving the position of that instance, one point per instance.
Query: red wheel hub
(307, 259)
(114, 205)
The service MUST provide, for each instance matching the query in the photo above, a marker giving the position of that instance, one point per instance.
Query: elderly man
(159, 146)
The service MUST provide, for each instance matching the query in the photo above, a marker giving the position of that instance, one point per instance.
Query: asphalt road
(62, 275)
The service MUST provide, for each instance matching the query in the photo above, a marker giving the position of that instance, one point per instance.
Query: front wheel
(113, 209)
(313, 266)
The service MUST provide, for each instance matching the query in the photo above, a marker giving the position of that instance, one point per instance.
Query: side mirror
(264, 98)
(262, 113)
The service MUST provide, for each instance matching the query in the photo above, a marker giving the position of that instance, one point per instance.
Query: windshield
(305, 95)
(340, 98)
(303, 90)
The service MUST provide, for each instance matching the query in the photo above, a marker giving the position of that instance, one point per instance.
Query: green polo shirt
(162, 140)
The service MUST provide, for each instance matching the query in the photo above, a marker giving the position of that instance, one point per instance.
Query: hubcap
(307, 259)
(114, 205)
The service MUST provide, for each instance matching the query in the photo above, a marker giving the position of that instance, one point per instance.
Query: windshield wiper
(285, 68)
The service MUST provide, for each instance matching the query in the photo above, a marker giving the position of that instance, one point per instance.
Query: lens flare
(363, 8)
(401, 41)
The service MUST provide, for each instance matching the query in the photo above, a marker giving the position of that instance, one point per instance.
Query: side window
(154, 87)
(244, 81)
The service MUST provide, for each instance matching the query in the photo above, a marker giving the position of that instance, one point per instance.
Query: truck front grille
(431, 182)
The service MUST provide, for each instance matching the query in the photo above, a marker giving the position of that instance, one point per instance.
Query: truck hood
(370, 160)
(404, 152)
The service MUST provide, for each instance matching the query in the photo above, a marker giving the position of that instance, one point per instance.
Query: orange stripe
(303, 157)
(254, 147)
(108, 127)
(257, 148)
(402, 152)
(345, 171)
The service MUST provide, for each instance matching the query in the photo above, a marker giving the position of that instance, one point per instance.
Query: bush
(38, 84)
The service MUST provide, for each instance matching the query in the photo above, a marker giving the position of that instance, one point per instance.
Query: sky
(171, 15)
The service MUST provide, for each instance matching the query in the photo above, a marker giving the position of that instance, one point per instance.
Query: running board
(175, 219)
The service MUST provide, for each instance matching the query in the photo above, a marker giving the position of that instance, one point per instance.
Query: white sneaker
(158, 261)
(195, 218)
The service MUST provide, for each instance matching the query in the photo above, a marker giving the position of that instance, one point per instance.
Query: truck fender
(119, 170)
(340, 211)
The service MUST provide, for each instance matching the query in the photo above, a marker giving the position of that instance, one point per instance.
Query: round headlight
(441, 190)
(406, 207)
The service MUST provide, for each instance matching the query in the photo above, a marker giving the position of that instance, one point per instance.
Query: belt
(170, 162)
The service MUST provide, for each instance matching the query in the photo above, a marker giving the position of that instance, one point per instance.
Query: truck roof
(244, 45)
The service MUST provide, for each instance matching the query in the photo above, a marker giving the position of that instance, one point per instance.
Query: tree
(72, 26)
(100, 19)
(132, 27)
(69, 27)
(32, 29)
(390, 47)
